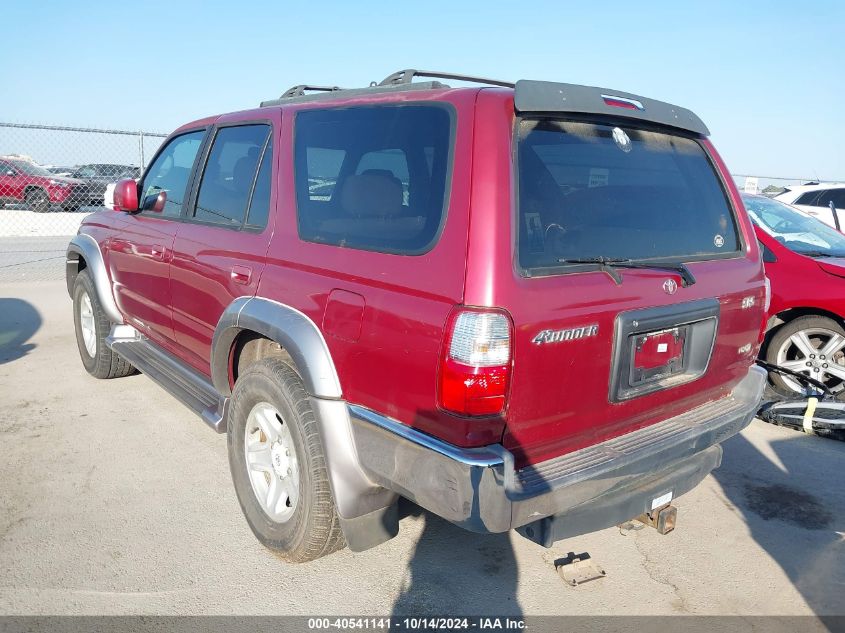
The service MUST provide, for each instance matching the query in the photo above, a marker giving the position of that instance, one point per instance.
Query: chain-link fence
(50, 178)
(768, 185)
(53, 176)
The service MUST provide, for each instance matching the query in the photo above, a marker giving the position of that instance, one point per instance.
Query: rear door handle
(241, 274)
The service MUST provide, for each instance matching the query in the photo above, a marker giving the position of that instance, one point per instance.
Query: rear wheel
(38, 200)
(278, 466)
(92, 326)
(813, 346)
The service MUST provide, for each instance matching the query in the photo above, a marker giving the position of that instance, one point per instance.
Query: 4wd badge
(570, 334)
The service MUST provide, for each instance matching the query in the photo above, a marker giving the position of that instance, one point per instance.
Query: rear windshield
(588, 190)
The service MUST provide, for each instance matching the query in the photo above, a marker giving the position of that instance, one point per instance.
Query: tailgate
(599, 350)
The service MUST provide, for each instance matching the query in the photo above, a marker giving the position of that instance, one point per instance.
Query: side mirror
(126, 195)
(11, 172)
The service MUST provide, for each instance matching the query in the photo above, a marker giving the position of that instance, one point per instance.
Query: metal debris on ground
(577, 569)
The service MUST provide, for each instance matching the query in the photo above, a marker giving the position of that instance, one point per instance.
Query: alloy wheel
(272, 462)
(816, 352)
(86, 323)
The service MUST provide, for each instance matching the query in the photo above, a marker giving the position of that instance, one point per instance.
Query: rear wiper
(609, 264)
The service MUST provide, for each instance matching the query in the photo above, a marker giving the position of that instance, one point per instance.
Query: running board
(182, 382)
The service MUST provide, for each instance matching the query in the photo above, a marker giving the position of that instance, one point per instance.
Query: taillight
(475, 363)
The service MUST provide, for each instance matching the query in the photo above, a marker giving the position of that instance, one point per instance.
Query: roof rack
(299, 91)
(406, 76)
(327, 95)
(400, 80)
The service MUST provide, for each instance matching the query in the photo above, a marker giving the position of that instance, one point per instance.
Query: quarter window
(169, 173)
(229, 174)
(373, 178)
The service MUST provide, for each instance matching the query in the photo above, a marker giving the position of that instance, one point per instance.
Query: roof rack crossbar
(299, 90)
(406, 76)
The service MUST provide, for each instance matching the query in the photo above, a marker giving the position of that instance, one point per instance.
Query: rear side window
(229, 174)
(373, 178)
(588, 190)
(837, 196)
(807, 198)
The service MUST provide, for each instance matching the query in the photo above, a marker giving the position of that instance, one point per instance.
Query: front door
(139, 255)
(219, 252)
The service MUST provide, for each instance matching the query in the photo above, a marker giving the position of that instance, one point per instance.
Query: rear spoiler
(536, 97)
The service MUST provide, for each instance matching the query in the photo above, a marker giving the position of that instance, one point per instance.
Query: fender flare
(87, 248)
(290, 328)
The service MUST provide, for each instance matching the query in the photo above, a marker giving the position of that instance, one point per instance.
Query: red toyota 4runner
(531, 306)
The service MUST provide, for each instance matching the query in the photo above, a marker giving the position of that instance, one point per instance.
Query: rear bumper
(596, 487)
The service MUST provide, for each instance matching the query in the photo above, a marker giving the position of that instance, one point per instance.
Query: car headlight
(59, 183)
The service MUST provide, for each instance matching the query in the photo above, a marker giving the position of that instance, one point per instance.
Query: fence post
(141, 150)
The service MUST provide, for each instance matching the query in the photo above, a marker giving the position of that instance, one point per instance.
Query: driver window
(170, 173)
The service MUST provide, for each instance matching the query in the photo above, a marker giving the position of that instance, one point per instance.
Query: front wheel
(278, 466)
(813, 346)
(92, 326)
(38, 200)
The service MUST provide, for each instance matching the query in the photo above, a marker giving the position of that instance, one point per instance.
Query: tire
(96, 356)
(817, 334)
(301, 523)
(37, 200)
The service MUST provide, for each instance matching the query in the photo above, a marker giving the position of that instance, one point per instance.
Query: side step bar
(182, 382)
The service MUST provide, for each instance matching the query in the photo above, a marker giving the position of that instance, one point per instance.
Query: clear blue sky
(767, 77)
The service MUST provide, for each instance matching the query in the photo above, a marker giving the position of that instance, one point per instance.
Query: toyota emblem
(670, 286)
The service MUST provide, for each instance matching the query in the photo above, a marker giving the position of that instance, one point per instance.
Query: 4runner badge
(556, 336)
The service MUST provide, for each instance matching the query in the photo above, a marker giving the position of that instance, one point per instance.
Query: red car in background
(805, 262)
(24, 182)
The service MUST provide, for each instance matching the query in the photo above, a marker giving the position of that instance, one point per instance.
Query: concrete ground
(32, 258)
(19, 221)
(114, 499)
